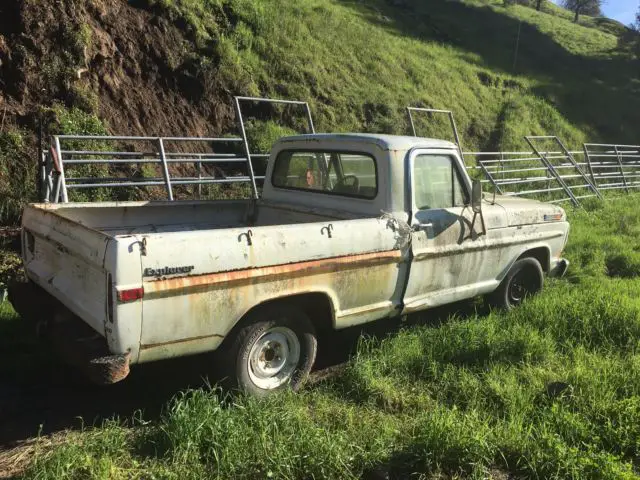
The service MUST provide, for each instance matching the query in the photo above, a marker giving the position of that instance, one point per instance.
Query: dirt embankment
(135, 69)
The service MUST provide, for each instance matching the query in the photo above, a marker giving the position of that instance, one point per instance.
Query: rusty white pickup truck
(350, 228)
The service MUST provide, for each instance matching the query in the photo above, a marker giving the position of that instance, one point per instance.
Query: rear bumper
(559, 268)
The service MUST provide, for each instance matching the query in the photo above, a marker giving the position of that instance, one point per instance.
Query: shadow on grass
(39, 394)
(600, 92)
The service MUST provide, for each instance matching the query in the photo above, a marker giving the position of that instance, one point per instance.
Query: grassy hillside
(361, 62)
(549, 390)
(172, 66)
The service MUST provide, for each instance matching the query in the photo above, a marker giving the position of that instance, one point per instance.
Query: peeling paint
(146, 347)
(262, 274)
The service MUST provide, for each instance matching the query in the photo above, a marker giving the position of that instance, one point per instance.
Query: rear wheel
(275, 350)
(525, 278)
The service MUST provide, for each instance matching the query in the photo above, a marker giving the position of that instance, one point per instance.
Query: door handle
(422, 226)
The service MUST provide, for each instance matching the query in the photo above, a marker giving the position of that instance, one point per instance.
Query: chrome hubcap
(274, 357)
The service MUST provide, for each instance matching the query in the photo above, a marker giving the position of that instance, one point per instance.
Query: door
(446, 246)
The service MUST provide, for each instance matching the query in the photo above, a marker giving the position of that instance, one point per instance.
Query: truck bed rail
(160, 167)
(81, 162)
(71, 163)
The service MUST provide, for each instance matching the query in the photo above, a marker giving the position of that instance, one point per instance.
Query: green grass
(7, 314)
(17, 174)
(549, 390)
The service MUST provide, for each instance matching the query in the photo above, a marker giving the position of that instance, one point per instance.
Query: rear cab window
(342, 173)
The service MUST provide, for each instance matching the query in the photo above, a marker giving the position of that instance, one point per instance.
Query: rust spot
(261, 274)
(108, 369)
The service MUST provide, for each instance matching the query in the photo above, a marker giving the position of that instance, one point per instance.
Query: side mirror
(476, 196)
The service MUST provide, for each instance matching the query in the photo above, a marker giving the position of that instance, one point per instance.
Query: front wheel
(275, 350)
(525, 278)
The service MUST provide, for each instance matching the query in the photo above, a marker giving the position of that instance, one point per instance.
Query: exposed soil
(117, 58)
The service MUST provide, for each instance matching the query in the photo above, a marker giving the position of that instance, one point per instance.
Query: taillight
(130, 295)
(109, 298)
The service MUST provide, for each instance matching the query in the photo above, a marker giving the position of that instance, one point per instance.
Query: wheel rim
(520, 287)
(273, 358)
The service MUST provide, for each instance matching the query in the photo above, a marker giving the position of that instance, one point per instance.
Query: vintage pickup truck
(350, 228)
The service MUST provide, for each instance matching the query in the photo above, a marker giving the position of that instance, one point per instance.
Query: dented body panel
(163, 279)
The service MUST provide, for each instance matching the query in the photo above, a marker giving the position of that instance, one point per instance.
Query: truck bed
(72, 249)
(130, 218)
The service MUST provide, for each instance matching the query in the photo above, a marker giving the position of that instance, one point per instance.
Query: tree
(539, 4)
(583, 7)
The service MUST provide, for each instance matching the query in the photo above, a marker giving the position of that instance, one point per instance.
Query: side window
(436, 182)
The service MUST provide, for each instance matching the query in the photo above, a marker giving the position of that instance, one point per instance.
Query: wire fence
(568, 176)
(613, 167)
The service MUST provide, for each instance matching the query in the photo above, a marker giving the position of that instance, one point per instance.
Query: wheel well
(541, 254)
(317, 306)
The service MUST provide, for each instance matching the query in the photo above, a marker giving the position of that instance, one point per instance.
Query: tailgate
(67, 260)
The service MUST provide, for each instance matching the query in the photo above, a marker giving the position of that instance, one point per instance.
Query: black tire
(252, 351)
(525, 278)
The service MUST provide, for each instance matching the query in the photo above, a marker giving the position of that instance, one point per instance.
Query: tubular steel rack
(75, 150)
(549, 171)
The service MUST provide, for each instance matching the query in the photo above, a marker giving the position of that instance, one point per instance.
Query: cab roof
(386, 142)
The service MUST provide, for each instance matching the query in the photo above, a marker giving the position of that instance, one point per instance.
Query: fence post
(413, 127)
(165, 169)
(588, 158)
(199, 177)
(455, 135)
(254, 188)
(309, 118)
(624, 179)
(594, 189)
(61, 185)
(488, 175)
